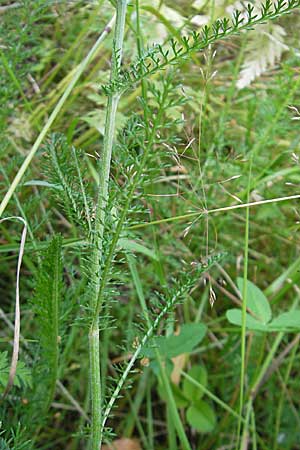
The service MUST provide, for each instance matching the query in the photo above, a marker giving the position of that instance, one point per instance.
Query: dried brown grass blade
(15, 355)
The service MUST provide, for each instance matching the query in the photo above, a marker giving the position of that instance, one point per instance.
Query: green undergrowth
(192, 289)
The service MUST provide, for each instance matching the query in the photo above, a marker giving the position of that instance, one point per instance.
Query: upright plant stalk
(244, 309)
(95, 275)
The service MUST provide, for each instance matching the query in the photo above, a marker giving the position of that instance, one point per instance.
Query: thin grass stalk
(245, 435)
(213, 397)
(81, 68)
(244, 308)
(282, 396)
(154, 326)
(259, 379)
(95, 275)
(174, 420)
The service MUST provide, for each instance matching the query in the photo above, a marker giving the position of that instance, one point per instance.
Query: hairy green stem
(95, 387)
(119, 227)
(95, 274)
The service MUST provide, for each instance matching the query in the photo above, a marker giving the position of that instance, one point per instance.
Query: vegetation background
(223, 127)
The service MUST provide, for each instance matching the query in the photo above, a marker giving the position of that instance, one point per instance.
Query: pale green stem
(95, 274)
(245, 436)
(214, 211)
(119, 227)
(244, 308)
(95, 387)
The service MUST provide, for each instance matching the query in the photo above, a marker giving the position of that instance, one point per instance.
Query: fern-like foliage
(23, 375)
(137, 175)
(162, 307)
(263, 51)
(47, 306)
(159, 57)
(131, 145)
(67, 180)
(14, 439)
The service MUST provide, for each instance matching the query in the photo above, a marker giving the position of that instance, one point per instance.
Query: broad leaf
(286, 321)
(191, 334)
(190, 390)
(234, 316)
(256, 301)
(201, 417)
(154, 365)
(180, 400)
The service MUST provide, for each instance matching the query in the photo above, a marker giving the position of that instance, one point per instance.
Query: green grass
(149, 184)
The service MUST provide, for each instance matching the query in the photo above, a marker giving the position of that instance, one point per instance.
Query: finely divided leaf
(47, 307)
(264, 49)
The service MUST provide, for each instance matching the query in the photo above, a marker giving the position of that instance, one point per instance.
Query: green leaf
(43, 183)
(191, 391)
(180, 400)
(96, 119)
(133, 246)
(191, 334)
(4, 445)
(201, 417)
(47, 305)
(169, 366)
(287, 320)
(23, 374)
(234, 316)
(4, 369)
(256, 301)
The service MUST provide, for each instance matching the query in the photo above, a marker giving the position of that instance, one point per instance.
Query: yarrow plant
(104, 215)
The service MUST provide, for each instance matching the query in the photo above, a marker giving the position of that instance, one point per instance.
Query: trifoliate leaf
(256, 301)
(287, 320)
(201, 417)
(234, 316)
(190, 335)
(190, 390)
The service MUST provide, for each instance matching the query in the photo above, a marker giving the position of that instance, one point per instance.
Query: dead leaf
(179, 363)
(123, 444)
